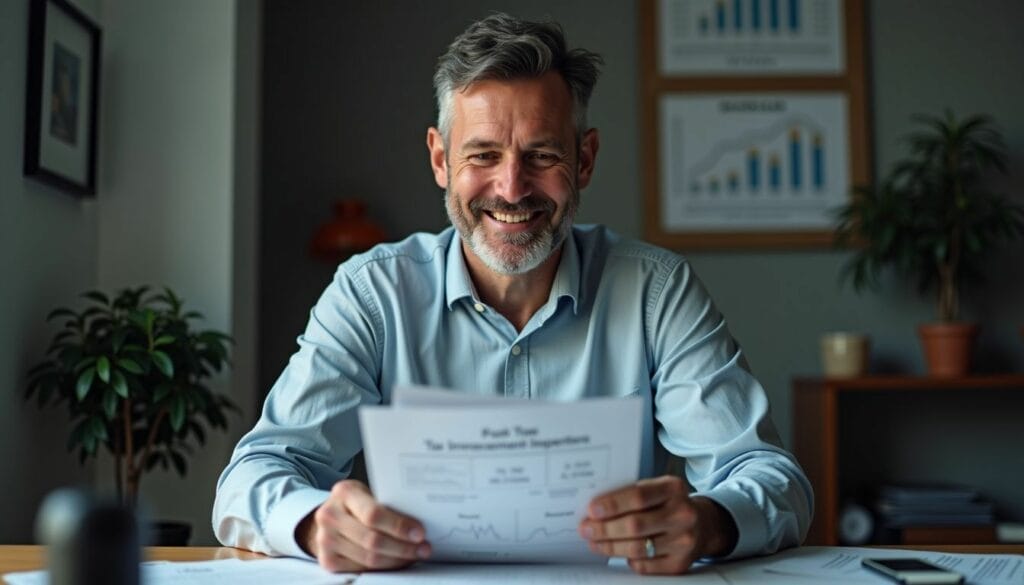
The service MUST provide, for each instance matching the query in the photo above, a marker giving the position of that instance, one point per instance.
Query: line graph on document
(523, 527)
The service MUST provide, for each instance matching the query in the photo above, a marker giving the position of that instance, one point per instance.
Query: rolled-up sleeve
(713, 413)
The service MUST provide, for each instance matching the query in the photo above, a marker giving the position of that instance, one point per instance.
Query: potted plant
(133, 375)
(933, 219)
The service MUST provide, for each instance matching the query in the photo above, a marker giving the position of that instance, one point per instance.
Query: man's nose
(513, 183)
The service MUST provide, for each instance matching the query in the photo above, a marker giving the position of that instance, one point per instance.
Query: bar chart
(744, 37)
(753, 161)
(796, 147)
(740, 16)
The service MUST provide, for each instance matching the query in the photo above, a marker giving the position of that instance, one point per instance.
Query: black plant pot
(169, 533)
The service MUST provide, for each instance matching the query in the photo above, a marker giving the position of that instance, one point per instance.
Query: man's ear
(438, 158)
(588, 154)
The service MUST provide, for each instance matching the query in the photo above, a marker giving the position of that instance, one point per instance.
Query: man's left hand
(657, 526)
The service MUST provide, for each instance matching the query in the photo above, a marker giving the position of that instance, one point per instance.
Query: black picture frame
(62, 97)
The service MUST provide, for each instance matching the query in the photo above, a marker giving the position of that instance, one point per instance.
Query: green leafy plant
(932, 216)
(132, 372)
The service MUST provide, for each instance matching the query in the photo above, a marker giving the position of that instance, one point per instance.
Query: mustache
(528, 204)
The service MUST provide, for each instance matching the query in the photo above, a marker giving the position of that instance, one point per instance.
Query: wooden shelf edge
(1000, 381)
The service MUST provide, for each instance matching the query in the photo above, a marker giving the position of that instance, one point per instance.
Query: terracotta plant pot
(948, 348)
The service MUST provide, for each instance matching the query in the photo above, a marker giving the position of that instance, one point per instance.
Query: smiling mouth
(510, 218)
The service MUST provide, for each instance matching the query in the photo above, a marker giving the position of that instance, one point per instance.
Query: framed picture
(754, 120)
(750, 38)
(62, 96)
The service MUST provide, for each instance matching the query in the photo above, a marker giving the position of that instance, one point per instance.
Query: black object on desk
(89, 540)
(911, 571)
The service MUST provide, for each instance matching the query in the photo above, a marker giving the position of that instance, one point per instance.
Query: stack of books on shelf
(936, 514)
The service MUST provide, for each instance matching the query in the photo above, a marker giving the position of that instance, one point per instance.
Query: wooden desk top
(30, 557)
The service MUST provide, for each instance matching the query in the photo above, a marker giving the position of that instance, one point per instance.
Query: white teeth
(510, 217)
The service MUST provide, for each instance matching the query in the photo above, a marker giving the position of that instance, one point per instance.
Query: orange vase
(948, 348)
(350, 231)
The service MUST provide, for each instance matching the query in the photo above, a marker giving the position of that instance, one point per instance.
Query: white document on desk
(614, 573)
(843, 564)
(255, 572)
(501, 480)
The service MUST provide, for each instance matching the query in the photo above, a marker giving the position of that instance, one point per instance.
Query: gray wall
(171, 211)
(47, 248)
(176, 205)
(348, 98)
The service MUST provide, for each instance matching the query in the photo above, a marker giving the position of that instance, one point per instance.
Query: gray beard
(531, 249)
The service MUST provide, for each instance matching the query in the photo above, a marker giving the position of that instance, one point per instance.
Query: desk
(30, 557)
(19, 557)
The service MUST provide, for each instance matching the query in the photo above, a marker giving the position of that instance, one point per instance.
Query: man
(514, 300)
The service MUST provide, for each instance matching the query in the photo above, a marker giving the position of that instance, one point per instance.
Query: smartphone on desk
(911, 571)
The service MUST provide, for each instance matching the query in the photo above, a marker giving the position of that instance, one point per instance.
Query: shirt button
(479, 308)
(516, 350)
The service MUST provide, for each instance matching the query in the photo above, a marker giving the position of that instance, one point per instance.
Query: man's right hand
(352, 532)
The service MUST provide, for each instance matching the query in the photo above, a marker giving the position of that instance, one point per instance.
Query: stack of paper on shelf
(900, 506)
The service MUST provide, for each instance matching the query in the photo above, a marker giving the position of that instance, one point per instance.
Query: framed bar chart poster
(753, 161)
(754, 120)
(751, 37)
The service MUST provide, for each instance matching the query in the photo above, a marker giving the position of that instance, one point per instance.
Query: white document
(615, 573)
(842, 565)
(503, 480)
(255, 572)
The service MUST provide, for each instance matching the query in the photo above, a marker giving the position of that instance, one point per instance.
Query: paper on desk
(507, 481)
(615, 573)
(843, 564)
(255, 572)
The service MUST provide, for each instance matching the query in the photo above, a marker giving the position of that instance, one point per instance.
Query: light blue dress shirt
(622, 318)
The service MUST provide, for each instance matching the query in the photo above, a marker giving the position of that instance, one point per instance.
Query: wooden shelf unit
(816, 430)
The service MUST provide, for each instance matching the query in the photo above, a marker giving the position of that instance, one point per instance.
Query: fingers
(671, 553)
(675, 518)
(349, 556)
(641, 495)
(621, 522)
(357, 533)
(360, 503)
(636, 548)
(646, 508)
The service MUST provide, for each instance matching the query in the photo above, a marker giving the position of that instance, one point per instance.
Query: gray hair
(505, 48)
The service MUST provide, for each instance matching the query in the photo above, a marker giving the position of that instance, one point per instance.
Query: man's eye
(483, 157)
(542, 159)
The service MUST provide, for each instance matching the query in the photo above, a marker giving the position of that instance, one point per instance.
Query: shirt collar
(458, 284)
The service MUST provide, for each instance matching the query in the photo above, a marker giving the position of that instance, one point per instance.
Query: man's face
(512, 169)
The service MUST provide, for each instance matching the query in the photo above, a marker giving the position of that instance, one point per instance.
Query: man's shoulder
(418, 249)
(601, 244)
